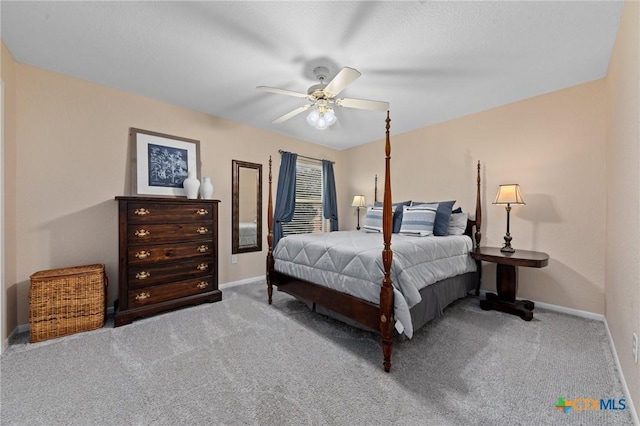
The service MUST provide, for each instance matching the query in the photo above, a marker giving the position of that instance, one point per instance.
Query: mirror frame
(235, 207)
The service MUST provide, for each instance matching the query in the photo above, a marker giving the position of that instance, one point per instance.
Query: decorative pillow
(396, 208)
(441, 227)
(373, 220)
(419, 220)
(458, 223)
(458, 210)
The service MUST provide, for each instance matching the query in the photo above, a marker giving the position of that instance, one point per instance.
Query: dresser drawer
(150, 274)
(149, 212)
(163, 292)
(168, 232)
(150, 253)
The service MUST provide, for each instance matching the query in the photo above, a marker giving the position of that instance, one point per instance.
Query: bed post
(270, 262)
(375, 189)
(478, 217)
(386, 291)
(478, 235)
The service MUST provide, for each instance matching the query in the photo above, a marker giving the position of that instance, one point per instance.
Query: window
(308, 217)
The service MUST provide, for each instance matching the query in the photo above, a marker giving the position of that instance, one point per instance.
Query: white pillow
(458, 223)
(419, 220)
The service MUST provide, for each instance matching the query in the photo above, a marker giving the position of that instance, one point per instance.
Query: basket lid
(74, 270)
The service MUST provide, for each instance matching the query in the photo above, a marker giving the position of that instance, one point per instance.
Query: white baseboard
(625, 388)
(570, 311)
(242, 282)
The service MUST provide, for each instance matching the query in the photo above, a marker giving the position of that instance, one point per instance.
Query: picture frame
(160, 162)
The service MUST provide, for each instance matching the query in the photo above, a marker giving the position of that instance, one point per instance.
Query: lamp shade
(358, 201)
(509, 194)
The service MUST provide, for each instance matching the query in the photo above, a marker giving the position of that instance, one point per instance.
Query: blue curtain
(285, 195)
(329, 204)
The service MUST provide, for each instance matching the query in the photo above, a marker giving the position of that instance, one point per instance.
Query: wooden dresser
(168, 255)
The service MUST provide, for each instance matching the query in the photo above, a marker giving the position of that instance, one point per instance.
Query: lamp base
(506, 248)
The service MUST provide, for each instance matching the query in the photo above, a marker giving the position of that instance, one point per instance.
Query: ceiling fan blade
(281, 91)
(291, 114)
(345, 77)
(363, 104)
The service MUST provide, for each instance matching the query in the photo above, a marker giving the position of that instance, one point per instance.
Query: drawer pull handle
(143, 275)
(142, 212)
(202, 267)
(142, 233)
(203, 249)
(202, 212)
(143, 254)
(202, 284)
(202, 230)
(142, 296)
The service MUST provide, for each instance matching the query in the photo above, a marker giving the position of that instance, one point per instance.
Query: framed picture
(161, 162)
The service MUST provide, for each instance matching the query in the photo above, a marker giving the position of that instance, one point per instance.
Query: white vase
(206, 189)
(191, 185)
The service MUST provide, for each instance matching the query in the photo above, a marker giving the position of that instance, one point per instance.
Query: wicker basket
(66, 301)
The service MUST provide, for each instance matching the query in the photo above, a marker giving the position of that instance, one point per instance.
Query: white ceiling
(433, 61)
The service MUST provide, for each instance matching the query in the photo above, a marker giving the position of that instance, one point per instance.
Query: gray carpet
(241, 361)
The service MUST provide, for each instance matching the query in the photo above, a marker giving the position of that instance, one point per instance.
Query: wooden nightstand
(507, 279)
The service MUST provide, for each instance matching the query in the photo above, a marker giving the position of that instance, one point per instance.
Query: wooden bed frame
(377, 317)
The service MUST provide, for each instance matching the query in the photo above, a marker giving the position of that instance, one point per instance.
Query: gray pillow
(458, 223)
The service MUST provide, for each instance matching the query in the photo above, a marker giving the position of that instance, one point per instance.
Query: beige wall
(552, 145)
(623, 195)
(9, 311)
(73, 159)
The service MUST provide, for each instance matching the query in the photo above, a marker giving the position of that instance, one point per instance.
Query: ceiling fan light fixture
(322, 95)
(313, 117)
(321, 117)
(330, 116)
(322, 123)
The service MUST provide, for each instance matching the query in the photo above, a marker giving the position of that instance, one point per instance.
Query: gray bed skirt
(435, 298)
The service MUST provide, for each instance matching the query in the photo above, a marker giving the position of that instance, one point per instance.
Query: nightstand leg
(505, 300)
(507, 282)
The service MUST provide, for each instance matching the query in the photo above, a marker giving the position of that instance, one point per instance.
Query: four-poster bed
(388, 306)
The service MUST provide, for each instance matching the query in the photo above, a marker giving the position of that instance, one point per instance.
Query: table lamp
(507, 195)
(358, 201)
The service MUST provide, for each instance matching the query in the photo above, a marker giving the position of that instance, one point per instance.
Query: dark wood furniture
(168, 255)
(378, 317)
(507, 279)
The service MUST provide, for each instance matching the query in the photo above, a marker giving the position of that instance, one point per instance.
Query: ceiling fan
(323, 95)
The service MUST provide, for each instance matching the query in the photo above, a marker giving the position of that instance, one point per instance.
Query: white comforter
(351, 262)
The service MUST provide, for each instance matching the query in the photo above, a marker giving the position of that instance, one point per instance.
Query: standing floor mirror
(246, 207)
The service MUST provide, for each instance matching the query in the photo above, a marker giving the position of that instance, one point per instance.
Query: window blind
(308, 216)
